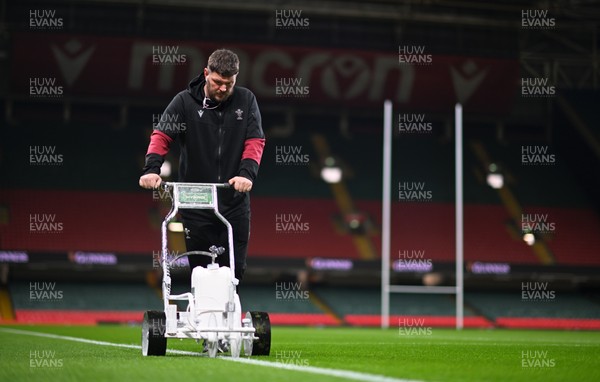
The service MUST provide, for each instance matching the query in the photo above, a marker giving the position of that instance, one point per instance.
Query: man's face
(218, 88)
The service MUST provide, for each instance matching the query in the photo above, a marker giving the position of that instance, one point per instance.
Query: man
(218, 128)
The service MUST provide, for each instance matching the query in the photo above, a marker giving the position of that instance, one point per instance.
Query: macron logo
(468, 81)
(72, 59)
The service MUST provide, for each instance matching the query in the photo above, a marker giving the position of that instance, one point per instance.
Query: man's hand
(151, 181)
(241, 184)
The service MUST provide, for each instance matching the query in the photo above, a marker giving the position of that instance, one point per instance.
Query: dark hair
(224, 62)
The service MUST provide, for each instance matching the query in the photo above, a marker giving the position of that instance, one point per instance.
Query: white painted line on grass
(346, 374)
(92, 342)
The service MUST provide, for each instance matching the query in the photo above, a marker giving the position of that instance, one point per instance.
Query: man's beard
(224, 96)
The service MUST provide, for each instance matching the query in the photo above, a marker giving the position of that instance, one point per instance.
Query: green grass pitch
(313, 354)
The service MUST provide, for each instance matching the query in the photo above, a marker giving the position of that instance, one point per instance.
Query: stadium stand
(92, 303)
(94, 196)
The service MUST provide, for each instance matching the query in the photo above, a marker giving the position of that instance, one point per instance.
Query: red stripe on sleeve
(159, 143)
(253, 149)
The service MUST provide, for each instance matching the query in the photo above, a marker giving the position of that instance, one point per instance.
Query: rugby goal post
(386, 287)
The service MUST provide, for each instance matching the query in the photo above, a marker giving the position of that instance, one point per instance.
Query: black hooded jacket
(216, 143)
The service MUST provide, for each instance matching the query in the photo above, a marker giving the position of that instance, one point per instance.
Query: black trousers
(202, 233)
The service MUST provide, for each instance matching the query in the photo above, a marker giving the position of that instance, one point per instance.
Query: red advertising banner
(81, 65)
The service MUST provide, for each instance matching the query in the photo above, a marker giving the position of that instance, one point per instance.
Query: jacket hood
(196, 88)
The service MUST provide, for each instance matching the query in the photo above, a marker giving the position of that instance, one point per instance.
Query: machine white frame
(224, 324)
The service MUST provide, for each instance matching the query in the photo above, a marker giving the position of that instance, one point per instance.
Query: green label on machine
(195, 195)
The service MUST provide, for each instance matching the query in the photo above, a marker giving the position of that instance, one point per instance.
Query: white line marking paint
(346, 374)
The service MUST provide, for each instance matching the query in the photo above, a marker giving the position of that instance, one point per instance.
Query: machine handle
(167, 185)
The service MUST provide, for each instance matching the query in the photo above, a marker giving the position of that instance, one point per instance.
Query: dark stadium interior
(101, 123)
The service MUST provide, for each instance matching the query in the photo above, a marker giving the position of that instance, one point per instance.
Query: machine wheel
(235, 347)
(153, 333)
(247, 346)
(212, 347)
(262, 325)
